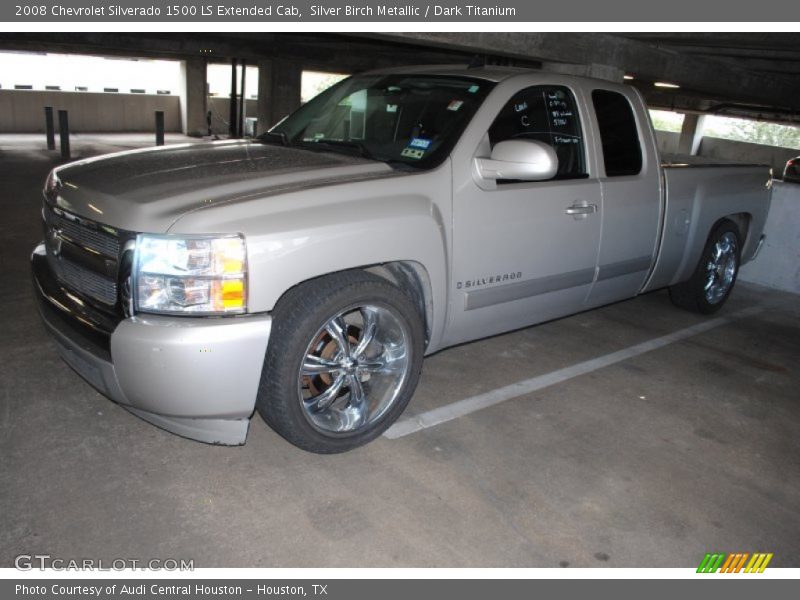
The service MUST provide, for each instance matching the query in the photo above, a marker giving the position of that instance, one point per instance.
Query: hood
(148, 190)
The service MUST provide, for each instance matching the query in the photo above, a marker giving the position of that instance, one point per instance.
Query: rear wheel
(713, 279)
(343, 361)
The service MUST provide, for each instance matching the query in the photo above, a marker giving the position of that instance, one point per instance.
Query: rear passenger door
(631, 188)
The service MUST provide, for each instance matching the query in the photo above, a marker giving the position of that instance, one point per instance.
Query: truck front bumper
(196, 377)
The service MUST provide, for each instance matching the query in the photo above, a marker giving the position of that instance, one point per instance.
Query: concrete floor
(650, 462)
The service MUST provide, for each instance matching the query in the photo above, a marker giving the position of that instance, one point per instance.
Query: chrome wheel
(721, 268)
(354, 369)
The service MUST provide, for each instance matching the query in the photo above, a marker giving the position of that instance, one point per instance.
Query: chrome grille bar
(89, 283)
(83, 255)
(81, 232)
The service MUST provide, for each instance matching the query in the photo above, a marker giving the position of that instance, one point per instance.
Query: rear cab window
(619, 136)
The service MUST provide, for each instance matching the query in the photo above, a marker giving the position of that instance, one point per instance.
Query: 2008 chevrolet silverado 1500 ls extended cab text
(305, 274)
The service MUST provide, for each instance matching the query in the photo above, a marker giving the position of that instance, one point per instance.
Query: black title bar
(322, 11)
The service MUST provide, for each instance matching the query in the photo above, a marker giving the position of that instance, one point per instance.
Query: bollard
(50, 128)
(232, 129)
(63, 132)
(159, 128)
(240, 124)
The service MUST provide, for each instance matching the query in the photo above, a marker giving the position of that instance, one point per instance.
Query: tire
(343, 361)
(713, 279)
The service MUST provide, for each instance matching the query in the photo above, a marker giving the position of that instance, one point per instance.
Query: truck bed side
(696, 198)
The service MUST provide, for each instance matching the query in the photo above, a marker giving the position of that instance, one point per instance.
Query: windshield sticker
(455, 105)
(423, 143)
(473, 88)
(391, 108)
(414, 153)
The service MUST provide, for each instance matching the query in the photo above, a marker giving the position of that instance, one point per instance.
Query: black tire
(691, 294)
(298, 319)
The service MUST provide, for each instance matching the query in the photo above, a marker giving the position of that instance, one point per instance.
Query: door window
(547, 114)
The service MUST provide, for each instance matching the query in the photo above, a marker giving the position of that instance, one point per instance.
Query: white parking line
(466, 406)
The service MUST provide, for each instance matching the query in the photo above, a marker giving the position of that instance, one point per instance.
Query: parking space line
(446, 413)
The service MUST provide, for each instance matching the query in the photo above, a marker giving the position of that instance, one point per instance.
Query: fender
(294, 237)
(717, 197)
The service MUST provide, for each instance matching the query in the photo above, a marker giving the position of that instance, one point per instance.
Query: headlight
(52, 185)
(197, 274)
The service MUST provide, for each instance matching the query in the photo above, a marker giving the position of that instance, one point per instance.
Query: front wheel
(713, 279)
(343, 361)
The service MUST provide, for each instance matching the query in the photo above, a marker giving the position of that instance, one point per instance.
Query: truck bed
(696, 191)
(687, 160)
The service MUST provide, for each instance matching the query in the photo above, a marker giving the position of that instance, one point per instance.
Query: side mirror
(528, 160)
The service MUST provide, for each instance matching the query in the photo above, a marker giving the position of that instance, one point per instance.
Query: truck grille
(83, 255)
(98, 239)
(86, 282)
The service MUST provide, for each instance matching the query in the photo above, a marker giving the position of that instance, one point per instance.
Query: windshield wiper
(281, 135)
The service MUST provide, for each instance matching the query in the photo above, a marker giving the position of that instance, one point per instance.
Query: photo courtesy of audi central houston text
(432, 299)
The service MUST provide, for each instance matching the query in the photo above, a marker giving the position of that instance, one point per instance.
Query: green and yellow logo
(719, 562)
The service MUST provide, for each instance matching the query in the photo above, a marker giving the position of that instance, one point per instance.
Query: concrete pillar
(193, 97)
(691, 134)
(233, 112)
(278, 91)
(605, 72)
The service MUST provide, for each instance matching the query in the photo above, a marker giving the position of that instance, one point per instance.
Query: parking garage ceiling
(765, 54)
(744, 74)
(709, 68)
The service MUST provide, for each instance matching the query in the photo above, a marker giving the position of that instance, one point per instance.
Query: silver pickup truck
(306, 273)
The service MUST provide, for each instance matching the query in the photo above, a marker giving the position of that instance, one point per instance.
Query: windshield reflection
(404, 120)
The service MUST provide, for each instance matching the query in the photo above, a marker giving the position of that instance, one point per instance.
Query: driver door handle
(580, 210)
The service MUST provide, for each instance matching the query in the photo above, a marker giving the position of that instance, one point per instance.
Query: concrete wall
(730, 150)
(220, 113)
(746, 152)
(778, 263)
(667, 141)
(22, 111)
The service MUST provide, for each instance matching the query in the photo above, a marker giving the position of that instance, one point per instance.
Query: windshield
(412, 120)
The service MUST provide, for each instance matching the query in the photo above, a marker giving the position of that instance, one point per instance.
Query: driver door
(525, 251)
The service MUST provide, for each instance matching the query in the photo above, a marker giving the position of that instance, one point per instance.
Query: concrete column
(605, 72)
(691, 134)
(193, 97)
(278, 91)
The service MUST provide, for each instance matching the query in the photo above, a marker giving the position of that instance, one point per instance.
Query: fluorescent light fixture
(627, 77)
(664, 84)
